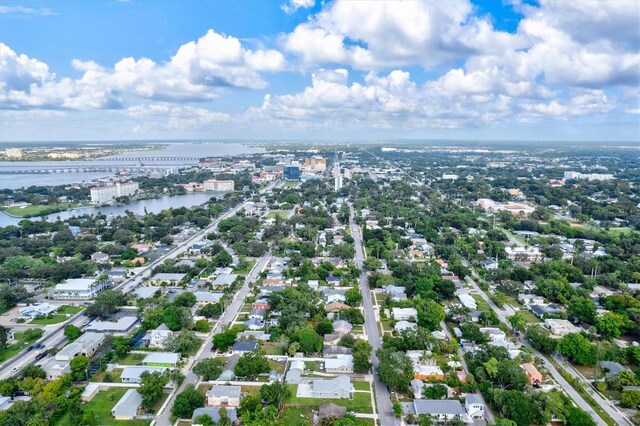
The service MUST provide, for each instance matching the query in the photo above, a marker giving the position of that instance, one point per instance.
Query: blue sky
(304, 69)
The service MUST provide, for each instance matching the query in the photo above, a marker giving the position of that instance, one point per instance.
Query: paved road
(605, 404)
(51, 340)
(57, 337)
(566, 386)
(162, 419)
(488, 414)
(383, 398)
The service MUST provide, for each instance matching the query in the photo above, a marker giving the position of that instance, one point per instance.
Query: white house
(132, 373)
(474, 405)
(400, 326)
(127, 407)
(439, 409)
(159, 336)
(404, 314)
(37, 310)
(560, 327)
(494, 333)
(339, 387)
(341, 364)
(226, 396)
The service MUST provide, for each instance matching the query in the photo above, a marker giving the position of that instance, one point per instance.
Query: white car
(17, 367)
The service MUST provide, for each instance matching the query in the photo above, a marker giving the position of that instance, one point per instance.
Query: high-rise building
(290, 172)
(316, 164)
(13, 153)
(218, 185)
(103, 194)
(337, 178)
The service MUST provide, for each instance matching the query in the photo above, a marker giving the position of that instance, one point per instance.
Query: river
(155, 205)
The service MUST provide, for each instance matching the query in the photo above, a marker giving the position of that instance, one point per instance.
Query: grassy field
(294, 416)
(132, 359)
(31, 211)
(101, 405)
(53, 319)
(361, 402)
(278, 366)
(12, 350)
(71, 310)
(362, 386)
(274, 213)
(272, 349)
(114, 376)
(482, 305)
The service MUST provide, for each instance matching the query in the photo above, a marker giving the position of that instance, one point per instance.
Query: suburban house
(331, 411)
(131, 374)
(100, 257)
(341, 364)
(612, 368)
(242, 346)
(336, 307)
(340, 387)
(257, 314)
(159, 336)
(474, 405)
(226, 396)
(400, 326)
(127, 407)
(494, 333)
(342, 327)
(397, 293)
(161, 359)
(437, 408)
(535, 376)
(404, 314)
(560, 327)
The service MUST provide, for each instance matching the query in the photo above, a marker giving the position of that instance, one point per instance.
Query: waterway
(155, 205)
(21, 173)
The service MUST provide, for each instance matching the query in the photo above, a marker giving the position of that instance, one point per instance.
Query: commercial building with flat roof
(219, 185)
(104, 194)
(78, 289)
(121, 326)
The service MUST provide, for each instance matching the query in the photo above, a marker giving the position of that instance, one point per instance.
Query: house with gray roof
(122, 326)
(127, 407)
(437, 408)
(226, 396)
(397, 293)
(166, 279)
(474, 405)
(161, 359)
(341, 364)
(224, 280)
(131, 374)
(243, 346)
(339, 387)
(611, 368)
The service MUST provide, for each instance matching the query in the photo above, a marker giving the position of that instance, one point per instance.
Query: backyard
(101, 405)
(361, 402)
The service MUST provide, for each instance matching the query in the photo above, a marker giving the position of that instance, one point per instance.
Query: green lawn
(12, 350)
(482, 305)
(361, 402)
(273, 214)
(53, 319)
(532, 319)
(278, 366)
(294, 416)
(132, 359)
(31, 211)
(271, 349)
(108, 377)
(362, 386)
(71, 310)
(101, 405)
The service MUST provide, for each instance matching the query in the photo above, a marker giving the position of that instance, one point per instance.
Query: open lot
(361, 402)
